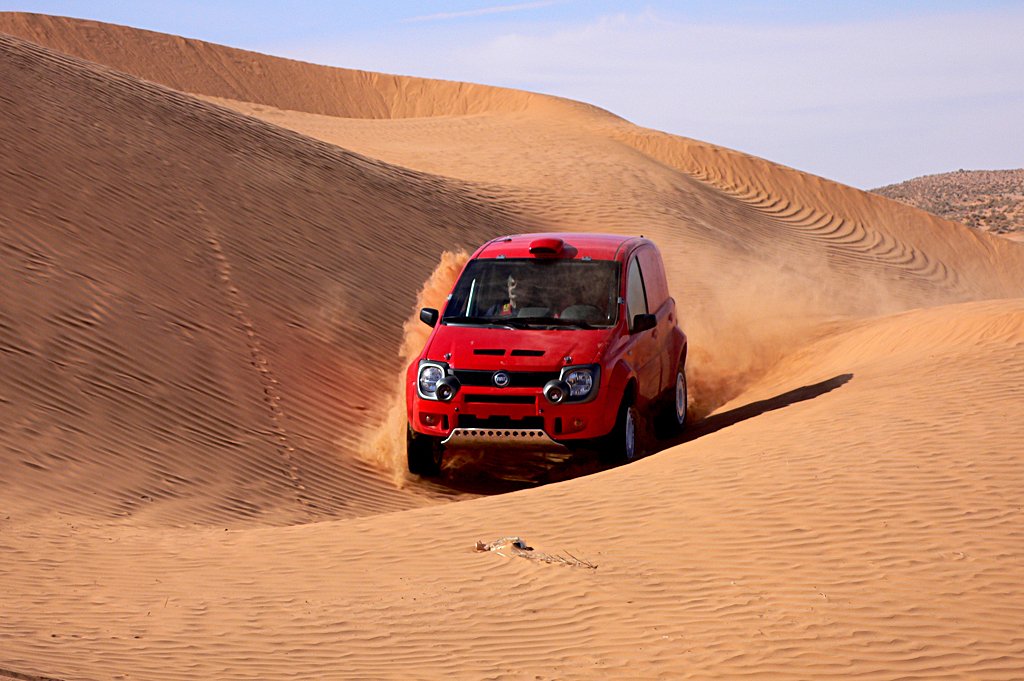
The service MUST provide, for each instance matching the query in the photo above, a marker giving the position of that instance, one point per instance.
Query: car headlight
(430, 375)
(581, 381)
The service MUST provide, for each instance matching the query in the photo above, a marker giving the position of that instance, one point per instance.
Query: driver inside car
(509, 308)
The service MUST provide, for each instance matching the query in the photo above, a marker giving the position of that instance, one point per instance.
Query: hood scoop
(500, 352)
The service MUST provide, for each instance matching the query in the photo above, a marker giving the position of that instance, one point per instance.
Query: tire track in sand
(258, 359)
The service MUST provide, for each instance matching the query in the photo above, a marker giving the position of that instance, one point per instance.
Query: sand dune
(184, 293)
(208, 256)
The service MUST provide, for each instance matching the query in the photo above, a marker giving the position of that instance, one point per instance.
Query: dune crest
(204, 68)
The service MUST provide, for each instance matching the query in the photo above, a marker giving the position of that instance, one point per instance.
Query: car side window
(636, 298)
(654, 277)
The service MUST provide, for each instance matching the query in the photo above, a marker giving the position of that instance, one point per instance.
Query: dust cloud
(740, 326)
(386, 444)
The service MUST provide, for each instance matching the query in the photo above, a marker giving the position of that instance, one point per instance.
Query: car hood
(476, 347)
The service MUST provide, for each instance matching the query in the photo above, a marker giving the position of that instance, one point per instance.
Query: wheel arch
(630, 391)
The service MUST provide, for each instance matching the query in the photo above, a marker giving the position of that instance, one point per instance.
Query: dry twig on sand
(514, 546)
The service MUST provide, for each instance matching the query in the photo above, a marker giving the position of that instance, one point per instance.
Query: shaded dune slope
(187, 313)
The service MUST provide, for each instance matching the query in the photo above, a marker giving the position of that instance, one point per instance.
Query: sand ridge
(199, 67)
(207, 271)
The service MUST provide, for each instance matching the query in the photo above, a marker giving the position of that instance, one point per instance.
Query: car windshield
(532, 293)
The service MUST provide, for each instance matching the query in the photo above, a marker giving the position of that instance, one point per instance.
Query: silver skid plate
(522, 438)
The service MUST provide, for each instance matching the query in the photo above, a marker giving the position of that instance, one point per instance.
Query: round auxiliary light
(446, 388)
(555, 391)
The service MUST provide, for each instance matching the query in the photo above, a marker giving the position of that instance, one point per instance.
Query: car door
(643, 348)
(661, 306)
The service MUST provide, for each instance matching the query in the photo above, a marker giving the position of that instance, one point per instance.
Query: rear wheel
(424, 453)
(672, 418)
(681, 397)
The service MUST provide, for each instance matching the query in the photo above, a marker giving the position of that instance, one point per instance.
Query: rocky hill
(992, 200)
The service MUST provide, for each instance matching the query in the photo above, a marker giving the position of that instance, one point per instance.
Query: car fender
(616, 379)
(677, 346)
(411, 378)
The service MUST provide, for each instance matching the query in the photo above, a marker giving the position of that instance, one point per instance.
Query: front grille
(470, 421)
(500, 399)
(517, 379)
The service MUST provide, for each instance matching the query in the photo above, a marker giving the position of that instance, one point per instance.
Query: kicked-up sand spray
(386, 444)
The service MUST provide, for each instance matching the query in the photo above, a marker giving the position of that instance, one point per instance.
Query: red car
(549, 341)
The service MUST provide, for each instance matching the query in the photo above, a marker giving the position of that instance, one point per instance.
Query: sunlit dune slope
(592, 173)
(194, 307)
(860, 518)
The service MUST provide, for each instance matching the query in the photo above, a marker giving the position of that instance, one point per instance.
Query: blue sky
(866, 93)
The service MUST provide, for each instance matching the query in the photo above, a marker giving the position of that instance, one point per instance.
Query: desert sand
(210, 263)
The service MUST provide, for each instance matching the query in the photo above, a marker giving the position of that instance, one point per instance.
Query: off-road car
(549, 341)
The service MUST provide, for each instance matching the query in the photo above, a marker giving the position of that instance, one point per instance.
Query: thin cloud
(867, 102)
(496, 9)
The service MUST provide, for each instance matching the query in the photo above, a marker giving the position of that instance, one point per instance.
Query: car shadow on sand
(716, 422)
(486, 474)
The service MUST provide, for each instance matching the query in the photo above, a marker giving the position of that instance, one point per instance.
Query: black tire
(424, 453)
(673, 414)
(622, 445)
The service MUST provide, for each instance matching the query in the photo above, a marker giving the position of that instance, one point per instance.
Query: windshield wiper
(519, 322)
(467, 320)
(555, 321)
(489, 321)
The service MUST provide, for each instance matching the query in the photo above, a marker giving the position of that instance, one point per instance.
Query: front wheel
(620, 446)
(424, 453)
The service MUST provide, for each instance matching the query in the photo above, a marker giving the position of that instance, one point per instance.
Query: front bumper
(511, 417)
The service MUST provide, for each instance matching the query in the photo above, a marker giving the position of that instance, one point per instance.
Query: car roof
(575, 245)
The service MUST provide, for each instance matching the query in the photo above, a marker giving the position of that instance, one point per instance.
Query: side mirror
(428, 316)
(643, 322)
